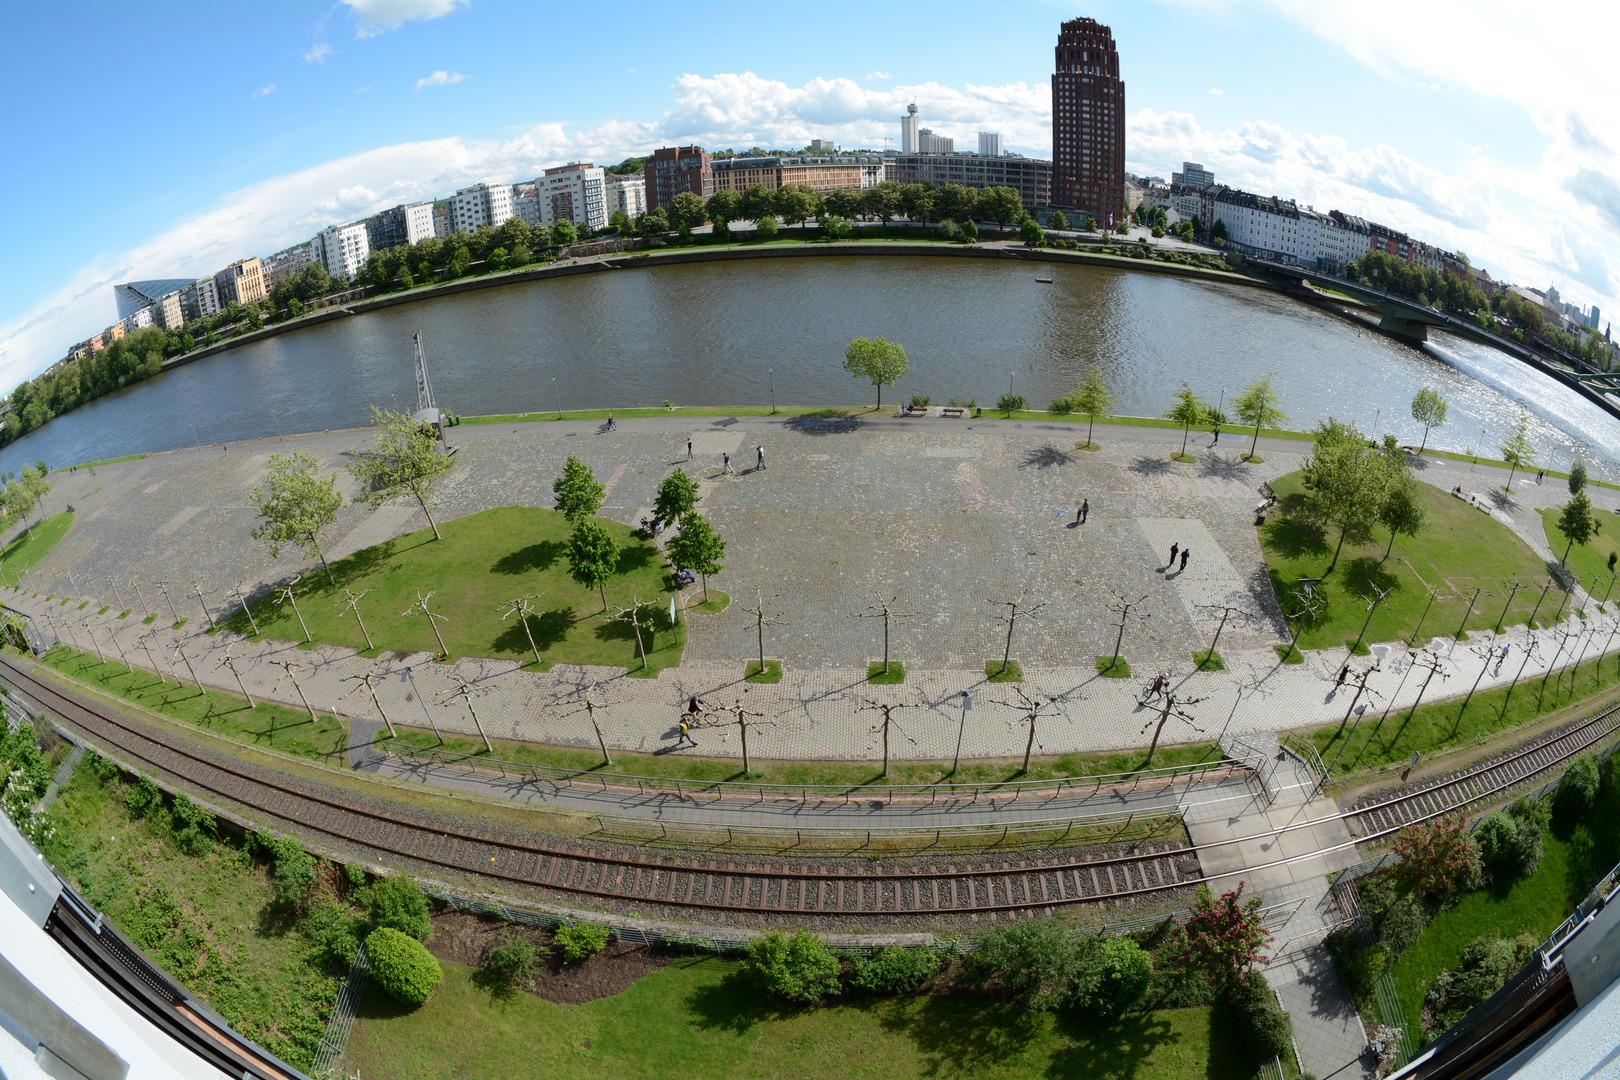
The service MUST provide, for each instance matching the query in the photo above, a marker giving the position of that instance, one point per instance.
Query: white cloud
(263, 90)
(362, 89)
(318, 53)
(877, 76)
(378, 16)
(439, 78)
(1218, 93)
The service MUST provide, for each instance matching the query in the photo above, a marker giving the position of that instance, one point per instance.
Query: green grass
(696, 1018)
(993, 672)
(1288, 654)
(771, 673)
(1461, 548)
(827, 773)
(1113, 667)
(207, 919)
(266, 725)
(1585, 561)
(125, 615)
(878, 677)
(1208, 660)
(102, 461)
(152, 617)
(716, 603)
(1575, 858)
(29, 546)
(1377, 742)
(484, 560)
(1185, 459)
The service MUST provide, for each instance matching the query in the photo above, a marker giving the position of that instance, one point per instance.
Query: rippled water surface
(734, 333)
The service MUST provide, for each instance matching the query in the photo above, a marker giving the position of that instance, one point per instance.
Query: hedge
(402, 965)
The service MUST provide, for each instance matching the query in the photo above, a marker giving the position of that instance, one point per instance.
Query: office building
(1088, 122)
(627, 192)
(822, 146)
(132, 296)
(404, 224)
(575, 192)
(674, 169)
(169, 312)
(482, 204)
(823, 174)
(1030, 177)
(344, 250)
(1192, 175)
(199, 299)
(242, 282)
(908, 130)
(289, 263)
(989, 144)
(929, 143)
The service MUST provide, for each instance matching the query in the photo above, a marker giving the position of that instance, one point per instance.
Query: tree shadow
(963, 1034)
(1045, 456)
(548, 628)
(1364, 571)
(1146, 465)
(362, 562)
(541, 556)
(1126, 1043)
(823, 422)
(733, 1004)
(1294, 537)
(1220, 467)
(637, 557)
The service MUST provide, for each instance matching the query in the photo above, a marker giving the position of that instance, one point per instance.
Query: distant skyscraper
(908, 130)
(1088, 122)
(989, 144)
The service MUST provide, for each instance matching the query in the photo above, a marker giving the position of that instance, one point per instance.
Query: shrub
(1123, 972)
(799, 969)
(950, 230)
(1400, 924)
(1485, 965)
(402, 965)
(1510, 841)
(921, 401)
(1578, 791)
(1438, 859)
(970, 231)
(294, 874)
(1266, 1030)
(1035, 963)
(580, 941)
(355, 874)
(1358, 967)
(509, 962)
(193, 826)
(1062, 405)
(335, 933)
(765, 228)
(892, 970)
(1011, 403)
(397, 903)
(142, 798)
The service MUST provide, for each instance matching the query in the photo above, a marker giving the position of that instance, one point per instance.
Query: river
(727, 333)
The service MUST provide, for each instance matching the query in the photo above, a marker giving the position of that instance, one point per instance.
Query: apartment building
(674, 169)
(576, 192)
(200, 299)
(289, 263)
(344, 249)
(823, 174)
(989, 144)
(242, 281)
(1030, 177)
(627, 193)
(470, 209)
(403, 225)
(929, 143)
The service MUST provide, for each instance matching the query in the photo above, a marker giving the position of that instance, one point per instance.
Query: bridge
(1405, 318)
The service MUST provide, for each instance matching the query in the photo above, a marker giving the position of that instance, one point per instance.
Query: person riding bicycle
(695, 707)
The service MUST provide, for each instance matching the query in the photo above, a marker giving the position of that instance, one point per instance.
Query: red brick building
(674, 169)
(1088, 122)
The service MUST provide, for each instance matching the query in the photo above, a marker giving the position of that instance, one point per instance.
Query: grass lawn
(25, 550)
(1461, 548)
(1585, 561)
(827, 773)
(1575, 859)
(267, 725)
(692, 1019)
(484, 560)
(207, 919)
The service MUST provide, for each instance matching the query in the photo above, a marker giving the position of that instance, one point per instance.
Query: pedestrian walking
(1175, 547)
(1186, 553)
(689, 448)
(1344, 673)
(1085, 510)
(760, 450)
(612, 425)
(686, 733)
(1539, 474)
(1158, 684)
(1501, 659)
(725, 460)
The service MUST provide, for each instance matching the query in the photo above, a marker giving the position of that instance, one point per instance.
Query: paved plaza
(948, 519)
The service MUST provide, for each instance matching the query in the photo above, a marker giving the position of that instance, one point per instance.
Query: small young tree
(699, 549)
(1428, 409)
(677, 498)
(1346, 480)
(405, 460)
(1224, 937)
(1059, 222)
(1577, 477)
(1257, 405)
(880, 362)
(1093, 399)
(1437, 858)
(1402, 512)
(593, 556)
(298, 505)
(1575, 522)
(1516, 449)
(576, 492)
(1187, 411)
(1031, 233)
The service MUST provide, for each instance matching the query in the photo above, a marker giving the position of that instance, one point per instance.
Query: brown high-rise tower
(1088, 122)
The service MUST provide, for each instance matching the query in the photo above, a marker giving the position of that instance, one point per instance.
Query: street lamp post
(772, 373)
(558, 392)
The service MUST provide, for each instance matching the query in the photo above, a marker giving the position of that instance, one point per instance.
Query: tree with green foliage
(956, 202)
(1257, 405)
(1058, 221)
(509, 963)
(402, 966)
(677, 498)
(1428, 409)
(563, 233)
(917, 200)
(576, 493)
(1002, 205)
(404, 460)
(970, 232)
(758, 203)
(1188, 410)
(835, 228)
(1577, 477)
(593, 555)
(698, 548)
(796, 203)
(654, 222)
(1092, 398)
(1036, 962)
(882, 201)
(723, 208)
(766, 228)
(1575, 522)
(1346, 480)
(1123, 972)
(892, 970)
(1516, 449)
(1031, 233)
(687, 212)
(844, 202)
(293, 876)
(880, 362)
(1402, 512)
(1218, 230)
(798, 969)
(298, 505)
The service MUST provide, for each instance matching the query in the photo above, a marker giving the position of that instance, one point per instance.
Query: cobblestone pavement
(949, 517)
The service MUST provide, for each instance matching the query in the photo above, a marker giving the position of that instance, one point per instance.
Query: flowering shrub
(1224, 938)
(1438, 859)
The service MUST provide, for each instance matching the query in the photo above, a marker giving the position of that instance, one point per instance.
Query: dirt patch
(463, 938)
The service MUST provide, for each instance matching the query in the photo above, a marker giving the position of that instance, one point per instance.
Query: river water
(738, 332)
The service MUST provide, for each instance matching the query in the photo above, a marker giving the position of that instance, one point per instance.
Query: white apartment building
(1344, 238)
(929, 143)
(1264, 225)
(482, 204)
(200, 299)
(627, 193)
(344, 249)
(575, 192)
(526, 204)
(169, 312)
(989, 144)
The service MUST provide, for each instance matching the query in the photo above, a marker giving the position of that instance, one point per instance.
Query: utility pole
(1015, 608)
(351, 602)
(520, 607)
(421, 608)
(290, 595)
(883, 610)
(883, 726)
(1124, 609)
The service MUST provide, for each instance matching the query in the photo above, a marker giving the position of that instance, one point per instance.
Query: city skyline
(1438, 168)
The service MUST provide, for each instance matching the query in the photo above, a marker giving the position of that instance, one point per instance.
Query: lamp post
(559, 396)
(772, 373)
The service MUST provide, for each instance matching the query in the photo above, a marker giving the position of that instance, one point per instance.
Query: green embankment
(1590, 561)
(31, 545)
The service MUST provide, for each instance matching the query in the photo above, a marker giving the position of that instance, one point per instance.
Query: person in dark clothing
(1344, 673)
(1186, 553)
(1085, 510)
(1173, 549)
(689, 448)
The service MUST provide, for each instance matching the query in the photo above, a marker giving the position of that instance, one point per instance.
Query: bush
(1035, 963)
(1266, 1030)
(1062, 405)
(1400, 924)
(1011, 403)
(765, 228)
(892, 970)
(1439, 859)
(1358, 967)
(1511, 840)
(1578, 791)
(970, 231)
(335, 933)
(510, 962)
(294, 874)
(800, 969)
(580, 941)
(1123, 972)
(1485, 966)
(402, 965)
(397, 903)
(921, 401)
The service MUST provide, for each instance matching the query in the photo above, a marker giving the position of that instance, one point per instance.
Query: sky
(145, 147)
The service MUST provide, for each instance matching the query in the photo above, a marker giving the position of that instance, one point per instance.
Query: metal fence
(341, 1023)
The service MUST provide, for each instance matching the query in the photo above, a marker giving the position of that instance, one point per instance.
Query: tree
(1187, 411)
(1402, 512)
(699, 549)
(1575, 522)
(882, 201)
(758, 203)
(1093, 399)
(1031, 233)
(957, 202)
(460, 262)
(687, 212)
(1257, 405)
(917, 200)
(1036, 961)
(593, 556)
(1058, 222)
(797, 203)
(845, 202)
(1516, 449)
(1003, 205)
(1428, 409)
(563, 233)
(836, 228)
(1346, 480)
(878, 361)
(297, 505)
(576, 493)
(1438, 858)
(1224, 937)
(970, 232)
(1218, 230)
(1577, 477)
(765, 228)
(677, 498)
(723, 208)
(405, 460)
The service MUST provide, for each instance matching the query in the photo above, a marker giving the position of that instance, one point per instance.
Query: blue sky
(151, 147)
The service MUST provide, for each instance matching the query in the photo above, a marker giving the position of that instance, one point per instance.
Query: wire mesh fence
(341, 1023)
